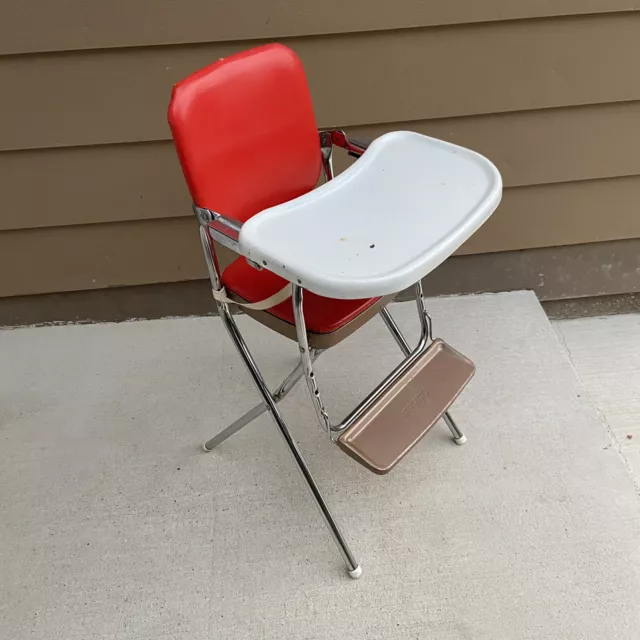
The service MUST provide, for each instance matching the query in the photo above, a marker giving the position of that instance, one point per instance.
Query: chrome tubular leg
(270, 402)
(291, 380)
(281, 392)
(458, 437)
(305, 357)
(425, 318)
(395, 331)
(354, 569)
(248, 417)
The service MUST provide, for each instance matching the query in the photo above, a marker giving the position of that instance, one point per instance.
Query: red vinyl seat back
(245, 132)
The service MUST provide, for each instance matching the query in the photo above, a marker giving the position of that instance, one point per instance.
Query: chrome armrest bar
(224, 239)
(206, 217)
(339, 138)
(334, 137)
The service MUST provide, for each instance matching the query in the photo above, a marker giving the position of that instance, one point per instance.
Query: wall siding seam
(253, 41)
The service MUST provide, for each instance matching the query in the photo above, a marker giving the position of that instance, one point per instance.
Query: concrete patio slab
(605, 352)
(115, 525)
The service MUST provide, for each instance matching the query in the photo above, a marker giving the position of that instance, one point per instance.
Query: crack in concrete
(614, 440)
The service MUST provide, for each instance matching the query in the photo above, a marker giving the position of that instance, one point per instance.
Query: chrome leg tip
(204, 448)
(356, 573)
(460, 441)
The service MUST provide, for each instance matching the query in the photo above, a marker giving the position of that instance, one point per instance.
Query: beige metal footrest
(403, 415)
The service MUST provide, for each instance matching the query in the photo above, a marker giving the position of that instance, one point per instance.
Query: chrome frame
(326, 150)
(411, 356)
(337, 429)
(306, 360)
(340, 139)
(270, 400)
(207, 218)
(279, 394)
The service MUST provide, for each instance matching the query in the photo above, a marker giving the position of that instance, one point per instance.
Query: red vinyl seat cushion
(322, 315)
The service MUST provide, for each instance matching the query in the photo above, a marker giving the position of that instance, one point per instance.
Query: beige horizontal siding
(141, 252)
(99, 256)
(81, 185)
(561, 214)
(34, 26)
(121, 95)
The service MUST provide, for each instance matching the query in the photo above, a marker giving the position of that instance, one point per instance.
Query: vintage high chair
(246, 136)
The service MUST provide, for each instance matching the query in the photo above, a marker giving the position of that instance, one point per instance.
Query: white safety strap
(262, 305)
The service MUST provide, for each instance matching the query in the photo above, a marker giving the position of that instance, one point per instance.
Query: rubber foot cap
(356, 573)
(204, 448)
(460, 441)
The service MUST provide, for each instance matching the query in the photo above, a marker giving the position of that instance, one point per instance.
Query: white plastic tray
(398, 212)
